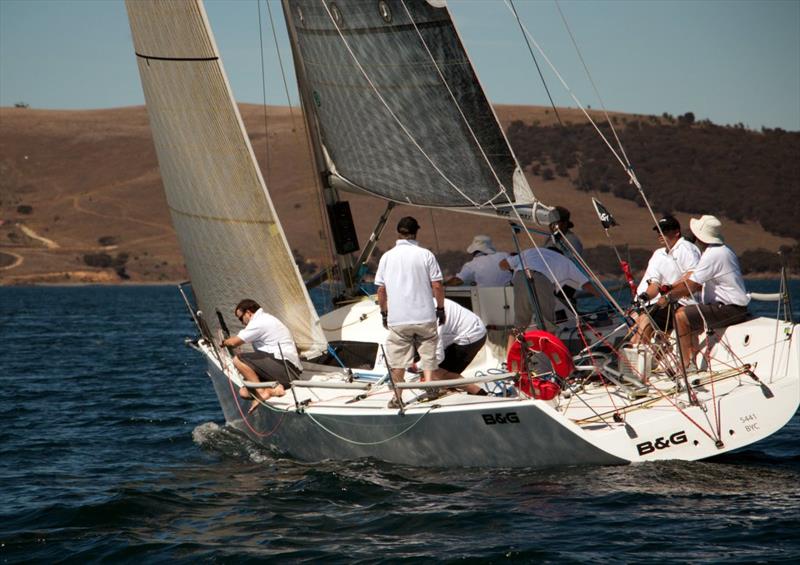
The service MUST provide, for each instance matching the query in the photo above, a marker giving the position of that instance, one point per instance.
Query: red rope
(244, 417)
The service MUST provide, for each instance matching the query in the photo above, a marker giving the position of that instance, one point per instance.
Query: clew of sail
(231, 238)
(399, 109)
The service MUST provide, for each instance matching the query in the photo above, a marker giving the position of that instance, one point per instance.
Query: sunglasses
(241, 317)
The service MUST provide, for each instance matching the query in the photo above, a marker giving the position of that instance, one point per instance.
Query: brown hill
(81, 198)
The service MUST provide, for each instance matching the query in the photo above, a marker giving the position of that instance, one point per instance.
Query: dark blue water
(112, 449)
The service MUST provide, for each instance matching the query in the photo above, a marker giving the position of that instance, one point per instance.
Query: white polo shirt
(551, 264)
(574, 240)
(267, 333)
(667, 268)
(484, 270)
(719, 273)
(407, 271)
(461, 326)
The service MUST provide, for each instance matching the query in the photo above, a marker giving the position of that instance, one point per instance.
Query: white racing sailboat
(394, 109)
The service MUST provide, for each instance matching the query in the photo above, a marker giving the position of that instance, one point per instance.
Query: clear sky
(728, 61)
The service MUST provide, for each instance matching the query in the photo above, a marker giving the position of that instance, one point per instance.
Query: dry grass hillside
(81, 198)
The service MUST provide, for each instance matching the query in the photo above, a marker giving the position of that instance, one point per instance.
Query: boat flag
(603, 214)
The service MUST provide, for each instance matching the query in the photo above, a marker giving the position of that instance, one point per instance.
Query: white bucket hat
(482, 243)
(707, 229)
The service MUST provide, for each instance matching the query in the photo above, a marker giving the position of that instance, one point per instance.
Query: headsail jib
(232, 241)
(398, 107)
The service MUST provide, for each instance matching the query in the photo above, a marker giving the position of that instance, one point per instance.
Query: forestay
(389, 122)
(231, 238)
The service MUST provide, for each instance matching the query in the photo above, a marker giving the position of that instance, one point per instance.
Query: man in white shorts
(483, 269)
(274, 352)
(718, 275)
(664, 268)
(407, 276)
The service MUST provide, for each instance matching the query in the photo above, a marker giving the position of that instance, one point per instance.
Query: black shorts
(458, 357)
(662, 318)
(716, 315)
(269, 368)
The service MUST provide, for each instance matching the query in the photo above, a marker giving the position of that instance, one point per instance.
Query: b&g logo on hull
(507, 418)
(661, 443)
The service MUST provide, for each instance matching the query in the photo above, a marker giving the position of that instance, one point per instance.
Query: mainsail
(399, 109)
(231, 238)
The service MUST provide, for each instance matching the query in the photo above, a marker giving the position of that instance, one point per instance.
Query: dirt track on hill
(91, 179)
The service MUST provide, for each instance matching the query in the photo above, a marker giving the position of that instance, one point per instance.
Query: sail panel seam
(189, 59)
(220, 218)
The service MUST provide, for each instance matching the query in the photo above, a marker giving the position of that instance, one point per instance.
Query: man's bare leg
(644, 330)
(249, 375)
(398, 377)
(445, 375)
(684, 331)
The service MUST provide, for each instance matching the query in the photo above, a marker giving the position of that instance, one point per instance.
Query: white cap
(482, 243)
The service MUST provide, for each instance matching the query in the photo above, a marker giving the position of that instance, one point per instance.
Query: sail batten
(232, 241)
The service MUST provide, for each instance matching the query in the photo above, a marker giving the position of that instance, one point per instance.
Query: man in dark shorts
(718, 275)
(274, 352)
(461, 337)
(668, 264)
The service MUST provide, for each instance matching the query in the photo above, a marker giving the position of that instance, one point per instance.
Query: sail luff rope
(391, 112)
(503, 189)
(324, 221)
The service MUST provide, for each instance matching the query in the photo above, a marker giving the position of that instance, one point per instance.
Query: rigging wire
(591, 81)
(263, 91)
(625, 163)
(535, 62)
(280, 63)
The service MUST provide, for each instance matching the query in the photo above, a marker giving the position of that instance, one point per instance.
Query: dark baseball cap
(668, 223)
(407, 225)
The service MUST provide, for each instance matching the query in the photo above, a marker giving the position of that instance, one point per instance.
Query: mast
(335, 206)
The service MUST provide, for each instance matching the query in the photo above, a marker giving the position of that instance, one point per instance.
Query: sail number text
(750, 423)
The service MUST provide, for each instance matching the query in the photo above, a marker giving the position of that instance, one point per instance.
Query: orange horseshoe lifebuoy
(556, 352)
(548, 344)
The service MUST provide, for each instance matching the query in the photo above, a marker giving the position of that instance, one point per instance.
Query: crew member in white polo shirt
(407, 276)
(272, 345)
(664, 268)
(461, 337)
(545, 267)
(718, 275)
(483, 269)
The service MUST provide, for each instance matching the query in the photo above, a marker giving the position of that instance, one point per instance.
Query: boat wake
(230, 443)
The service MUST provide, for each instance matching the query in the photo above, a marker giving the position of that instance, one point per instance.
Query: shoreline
(175, 283)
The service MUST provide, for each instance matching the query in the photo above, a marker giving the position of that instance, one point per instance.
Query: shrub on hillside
(98, 260)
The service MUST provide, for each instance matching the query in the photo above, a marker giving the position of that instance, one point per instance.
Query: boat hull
(596, 426)
(503, 433)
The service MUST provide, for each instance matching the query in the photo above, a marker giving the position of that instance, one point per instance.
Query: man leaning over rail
(272, 345)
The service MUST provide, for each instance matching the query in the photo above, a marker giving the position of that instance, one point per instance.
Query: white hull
(462, 430)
